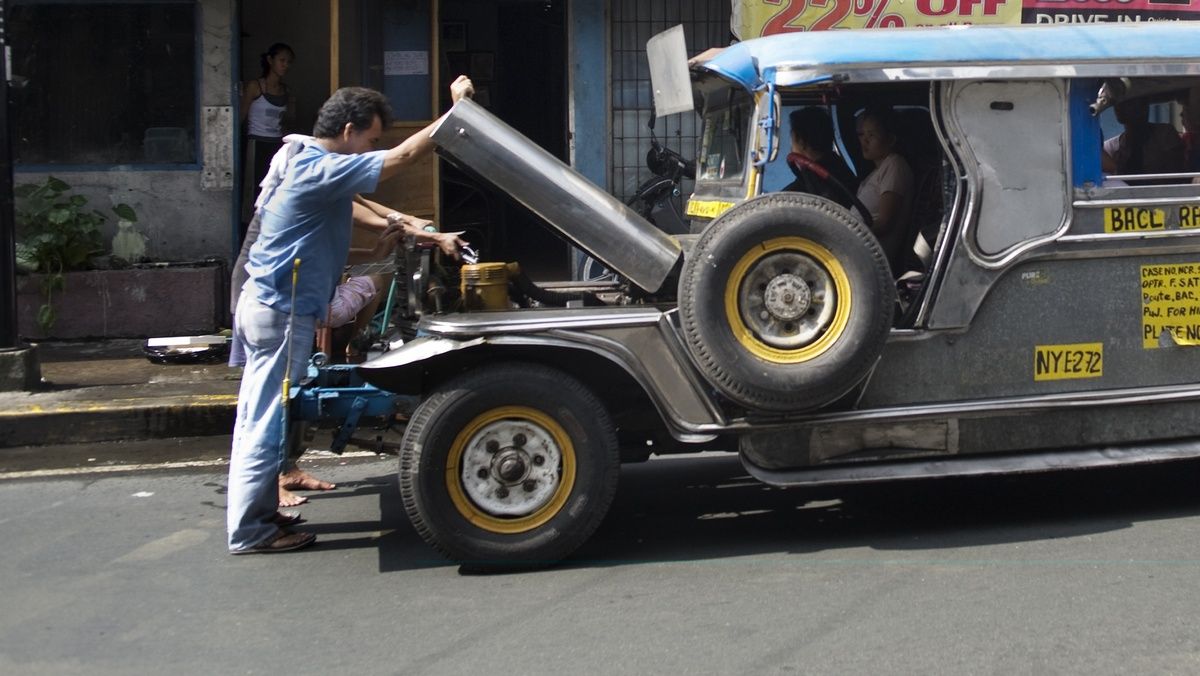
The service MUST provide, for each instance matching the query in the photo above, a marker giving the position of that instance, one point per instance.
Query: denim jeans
(258, 435)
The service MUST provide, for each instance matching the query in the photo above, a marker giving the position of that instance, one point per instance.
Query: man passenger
(812, 142)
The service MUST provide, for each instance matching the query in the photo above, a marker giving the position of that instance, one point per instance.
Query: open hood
(589, 217)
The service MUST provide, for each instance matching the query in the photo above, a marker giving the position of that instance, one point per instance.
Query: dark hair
(358, 106)
(264, 60)
(813, 126)
(884, 116)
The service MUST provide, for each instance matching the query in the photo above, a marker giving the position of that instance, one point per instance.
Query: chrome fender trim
(963, 466)
(678, 398)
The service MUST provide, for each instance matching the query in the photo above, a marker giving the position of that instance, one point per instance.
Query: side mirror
(667, 53)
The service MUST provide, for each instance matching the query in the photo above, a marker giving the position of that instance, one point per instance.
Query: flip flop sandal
(288, 518)
(283, 541)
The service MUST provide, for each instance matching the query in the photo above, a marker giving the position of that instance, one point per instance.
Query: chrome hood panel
(592, 219)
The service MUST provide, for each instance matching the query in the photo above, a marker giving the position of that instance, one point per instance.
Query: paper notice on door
(406, 63)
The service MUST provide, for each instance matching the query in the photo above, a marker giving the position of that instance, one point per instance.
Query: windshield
(723, 146)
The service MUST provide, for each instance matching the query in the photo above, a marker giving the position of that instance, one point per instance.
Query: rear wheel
(786, 302)
(512, 464)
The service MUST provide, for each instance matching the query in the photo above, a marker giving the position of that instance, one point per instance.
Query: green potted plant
(57, 233)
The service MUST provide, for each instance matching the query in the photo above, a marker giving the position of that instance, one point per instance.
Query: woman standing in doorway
(266, 103)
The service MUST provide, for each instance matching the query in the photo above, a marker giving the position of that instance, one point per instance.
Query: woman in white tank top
(266, 104)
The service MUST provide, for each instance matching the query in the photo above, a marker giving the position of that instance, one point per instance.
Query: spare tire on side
(786, 302)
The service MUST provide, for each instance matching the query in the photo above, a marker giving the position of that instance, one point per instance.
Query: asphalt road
(697, 570)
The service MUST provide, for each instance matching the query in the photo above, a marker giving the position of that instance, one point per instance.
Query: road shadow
(400, 547)
(707, 508)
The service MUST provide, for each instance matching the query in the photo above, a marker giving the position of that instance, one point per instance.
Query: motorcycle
(656, 199)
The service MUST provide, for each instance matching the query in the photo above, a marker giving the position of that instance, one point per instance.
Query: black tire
(786, 302)
(450, 433)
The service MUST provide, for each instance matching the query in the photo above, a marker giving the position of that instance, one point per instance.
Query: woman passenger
(888, 190)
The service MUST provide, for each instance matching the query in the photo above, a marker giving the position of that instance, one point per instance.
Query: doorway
(515, 53)
(263, 23)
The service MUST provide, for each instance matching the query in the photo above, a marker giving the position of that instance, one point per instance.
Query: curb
(118, 419)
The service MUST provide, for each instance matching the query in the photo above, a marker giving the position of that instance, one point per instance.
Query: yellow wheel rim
(510, 470)
(787, 300)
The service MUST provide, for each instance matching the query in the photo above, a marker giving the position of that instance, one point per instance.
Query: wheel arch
(624, 391)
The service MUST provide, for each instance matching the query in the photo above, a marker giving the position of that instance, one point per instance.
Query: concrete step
(123, 413)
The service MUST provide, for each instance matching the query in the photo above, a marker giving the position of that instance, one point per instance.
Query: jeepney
(1053, 323)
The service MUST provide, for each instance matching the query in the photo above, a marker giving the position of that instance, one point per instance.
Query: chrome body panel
(532, 321)
(588, 216)
(788, 77)
(647, 345)
(976, 466)
(643, 342)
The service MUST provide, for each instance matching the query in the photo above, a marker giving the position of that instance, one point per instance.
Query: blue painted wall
(587, 54)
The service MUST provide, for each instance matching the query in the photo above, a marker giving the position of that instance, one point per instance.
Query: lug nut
(519, 440)
(502, 492)
(539, 460)
(529, 485)
(493, 446)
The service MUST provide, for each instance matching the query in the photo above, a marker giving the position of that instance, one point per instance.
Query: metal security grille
(705, 25)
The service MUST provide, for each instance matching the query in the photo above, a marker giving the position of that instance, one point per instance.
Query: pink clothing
(348, 299)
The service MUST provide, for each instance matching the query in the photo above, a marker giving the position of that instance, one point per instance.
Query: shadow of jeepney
(705, 507)
(697, 508)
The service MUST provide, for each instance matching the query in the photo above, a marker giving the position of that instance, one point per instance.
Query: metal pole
(8, 263)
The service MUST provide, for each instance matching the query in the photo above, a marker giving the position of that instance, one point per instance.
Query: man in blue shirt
(307, 216)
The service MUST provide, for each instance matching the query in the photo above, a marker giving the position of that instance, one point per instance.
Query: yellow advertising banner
(755, 18)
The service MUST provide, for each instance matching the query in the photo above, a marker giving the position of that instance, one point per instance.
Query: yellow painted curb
(122, 405)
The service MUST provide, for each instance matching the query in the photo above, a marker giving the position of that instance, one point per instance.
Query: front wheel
(512, 464)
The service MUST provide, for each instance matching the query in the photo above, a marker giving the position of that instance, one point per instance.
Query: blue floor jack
(334, 396)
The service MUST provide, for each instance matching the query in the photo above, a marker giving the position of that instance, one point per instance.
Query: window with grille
(103, 82)
(705, 24)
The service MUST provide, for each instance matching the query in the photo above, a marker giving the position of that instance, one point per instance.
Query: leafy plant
(56, 233)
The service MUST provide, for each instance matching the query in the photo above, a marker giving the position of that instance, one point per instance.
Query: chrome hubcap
(787, 300)
(511, 468)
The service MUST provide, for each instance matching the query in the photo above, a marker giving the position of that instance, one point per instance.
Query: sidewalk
(106, 390)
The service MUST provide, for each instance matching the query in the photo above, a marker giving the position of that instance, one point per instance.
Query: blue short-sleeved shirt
(309, 217)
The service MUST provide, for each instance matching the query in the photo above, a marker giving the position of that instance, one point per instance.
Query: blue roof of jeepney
(836, 51)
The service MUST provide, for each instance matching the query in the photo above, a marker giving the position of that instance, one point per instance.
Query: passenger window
(723, 146)
(777, 175)
(1147, 128)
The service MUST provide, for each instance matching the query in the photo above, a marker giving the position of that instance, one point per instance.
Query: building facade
(136, 101)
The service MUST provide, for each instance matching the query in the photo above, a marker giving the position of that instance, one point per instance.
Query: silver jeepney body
(1027, 267)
